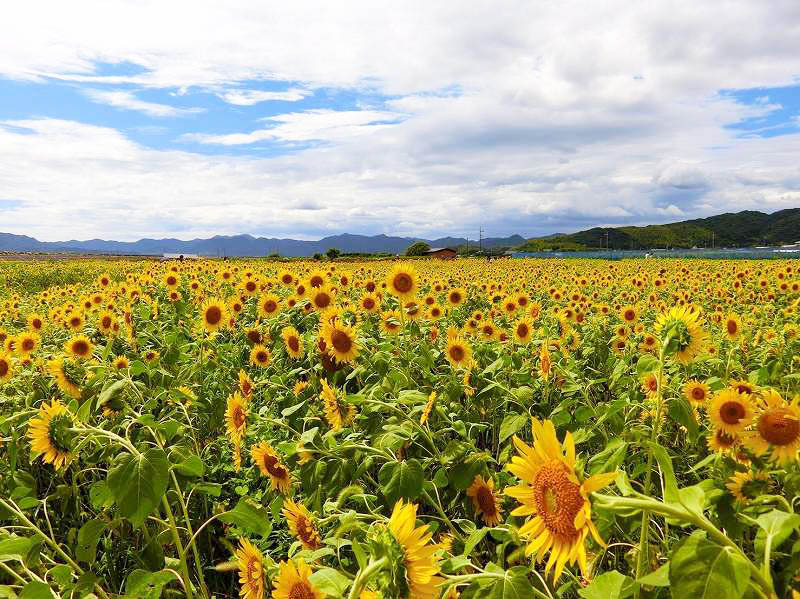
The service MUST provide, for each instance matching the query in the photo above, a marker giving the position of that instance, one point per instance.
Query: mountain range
(243, 245)
(740, 229)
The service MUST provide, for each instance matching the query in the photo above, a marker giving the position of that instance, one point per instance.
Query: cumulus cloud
(128, 101)
(537, 118)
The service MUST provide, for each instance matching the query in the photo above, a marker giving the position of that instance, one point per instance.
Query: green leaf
(515, 585)
(646, 363)
(36, 590)
(401, 480)
(665, 462)
(701, 569)
(331, 582)
(142, 584)
(14, 548)
(512, 424)
(777, 526)
(187, 463)
(138, 483)
(61, 574)
(475, 537)
(659, 578)
(609, 585)
(249, 517)
(88, 536)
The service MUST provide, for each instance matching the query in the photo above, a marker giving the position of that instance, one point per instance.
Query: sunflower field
(511, 429)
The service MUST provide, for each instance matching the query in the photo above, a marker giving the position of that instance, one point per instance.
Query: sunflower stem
(363, 576)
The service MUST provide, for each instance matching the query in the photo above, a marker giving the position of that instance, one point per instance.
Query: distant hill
(243, 245)
(740, 229)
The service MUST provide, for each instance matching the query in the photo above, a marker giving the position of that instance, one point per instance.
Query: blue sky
(125, 120)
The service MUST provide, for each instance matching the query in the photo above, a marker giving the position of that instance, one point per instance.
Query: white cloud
(311, 125)
(249, 97)
(128, 101)
(536, 117)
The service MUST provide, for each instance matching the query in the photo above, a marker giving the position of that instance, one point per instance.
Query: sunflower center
(4, 368)
(630, 315)
(455, 297)
(558, 499)
(81, 348)
(238, 417)
(403, 282)
(75, 322)
(213, 315)
(732, 327)
(27, 344)
(732, 412)
(106, 322)
(724, 439)
(262, 357)
(316, 281)
(341, 341)
(457, 353)
(287, 279)
(272, 466)
(254, 336)
(270, 306)
(306, 532)
(369, 303)
(698, 394)
(486, 501)
(251, 286)
(522, 330)
(294, 344)
(322, 300)
(300, 590)
(779, 426)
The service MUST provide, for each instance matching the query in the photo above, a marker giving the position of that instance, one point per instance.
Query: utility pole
(713, 234)
(480, 239)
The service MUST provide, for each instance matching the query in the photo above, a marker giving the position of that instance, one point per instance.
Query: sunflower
(420, 562)
(456, 296)
(236, 417)
(681, 330)
(6, 372)
(523, 330)
(629, 315)
(369, 303)
(732, 325)
(269, 305)
(484, 500)
(391, 322)
(650, 385)
(722, 442)
(321, 298)
(316, 279)
(301, 524)
(553, 495)
(731, 411)
(245, 384)
(50, 435)
(172, 280)
(151, 356)
(121, 363)
(696, 392)
(293, 342)
(426, 412)
(79, 347)
(333, 411)
(745, 486)
(777, 429)
(105, 322)
(293, 582)
(35, 322)
(215, 314)
(545, 362)
(27, 342)
(459, 352)
(251, 571)
(402, 281)
(270, 465)
(259, 356)
(619, 344)
(66, 373)
(75, 321)
(341, 341)
(299, 387)
(286, 278)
